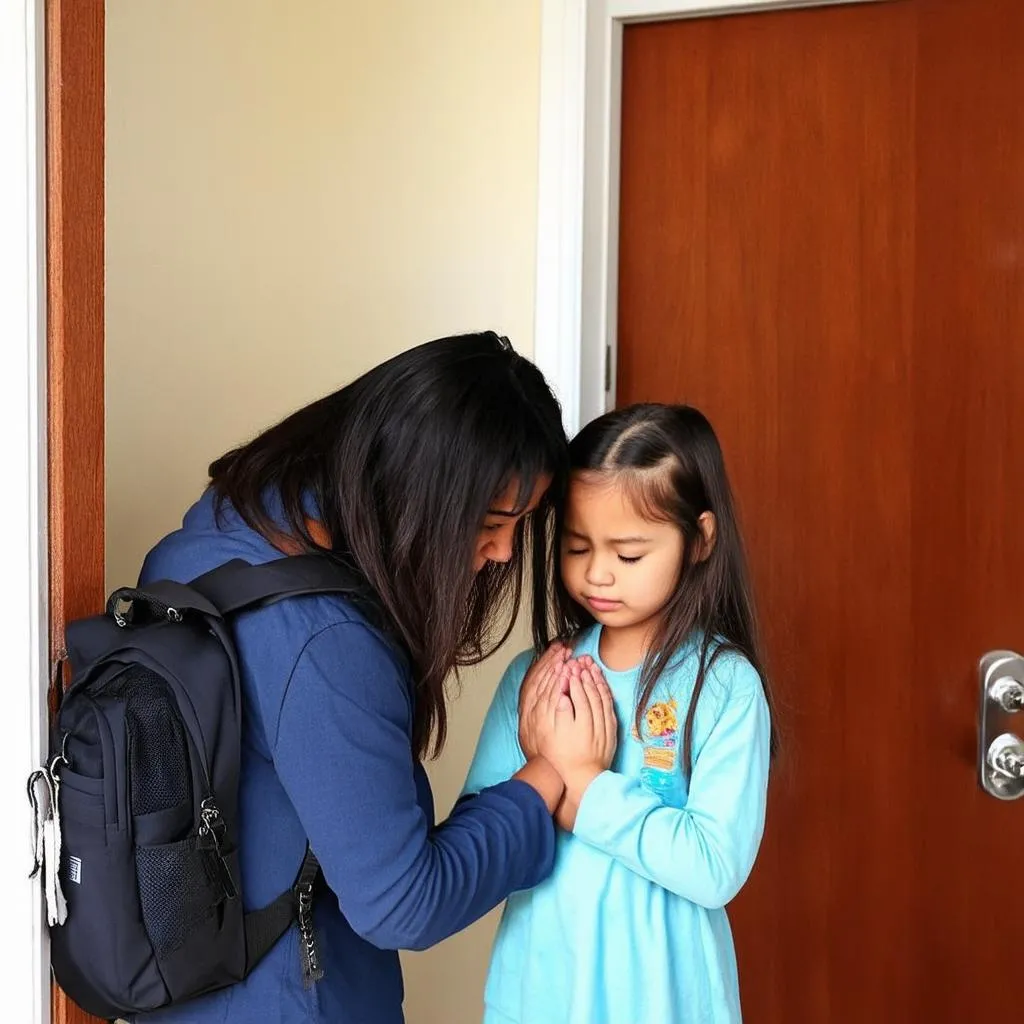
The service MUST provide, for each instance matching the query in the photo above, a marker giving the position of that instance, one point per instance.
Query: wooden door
(822, 246)
(74, 158)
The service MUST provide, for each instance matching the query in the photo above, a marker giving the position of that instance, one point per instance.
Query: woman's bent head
(434, 475)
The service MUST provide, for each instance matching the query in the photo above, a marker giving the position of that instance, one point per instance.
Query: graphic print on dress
(660, 773)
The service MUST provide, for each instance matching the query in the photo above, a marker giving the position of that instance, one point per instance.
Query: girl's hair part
(670, 463)
(400, 468)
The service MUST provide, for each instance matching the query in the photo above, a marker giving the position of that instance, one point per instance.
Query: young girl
(631, 927)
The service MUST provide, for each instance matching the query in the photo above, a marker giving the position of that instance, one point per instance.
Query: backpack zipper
(212, 831)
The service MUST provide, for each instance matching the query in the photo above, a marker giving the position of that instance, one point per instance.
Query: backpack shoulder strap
(237, 585)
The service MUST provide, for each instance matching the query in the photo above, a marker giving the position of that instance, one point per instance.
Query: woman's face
(495, 540)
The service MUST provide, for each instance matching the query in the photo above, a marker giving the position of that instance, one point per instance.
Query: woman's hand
(536, 718)
(584, 737)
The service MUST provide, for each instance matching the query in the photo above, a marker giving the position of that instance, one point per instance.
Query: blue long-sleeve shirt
(327, 754)
(631, 924)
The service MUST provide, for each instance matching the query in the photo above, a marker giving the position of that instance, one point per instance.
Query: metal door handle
(1008, 693)
(1000, 750)
(1006, 756)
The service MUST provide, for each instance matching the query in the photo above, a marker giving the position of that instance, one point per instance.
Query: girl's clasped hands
(567, 716)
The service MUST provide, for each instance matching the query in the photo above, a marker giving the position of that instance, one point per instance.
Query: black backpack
(145, 897)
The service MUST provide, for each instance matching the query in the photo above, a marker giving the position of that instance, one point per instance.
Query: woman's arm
(705, 851)
(342, 750)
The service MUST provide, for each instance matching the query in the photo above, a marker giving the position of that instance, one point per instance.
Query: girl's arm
(705, 851)
(342, 750)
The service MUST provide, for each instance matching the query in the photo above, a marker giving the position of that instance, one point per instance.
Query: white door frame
(25, 991)
(578, 196)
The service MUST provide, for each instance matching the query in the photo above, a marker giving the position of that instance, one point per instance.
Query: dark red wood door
(822, 246)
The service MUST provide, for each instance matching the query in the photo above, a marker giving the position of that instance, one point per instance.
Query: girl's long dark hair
(671, 462)
(400, 468)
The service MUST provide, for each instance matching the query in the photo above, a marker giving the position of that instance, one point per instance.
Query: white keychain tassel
(39, 795)
(43, 793)
(56, 905)
(58, 913)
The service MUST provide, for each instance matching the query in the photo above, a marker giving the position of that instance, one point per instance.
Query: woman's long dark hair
(400, 469)
(671, 462)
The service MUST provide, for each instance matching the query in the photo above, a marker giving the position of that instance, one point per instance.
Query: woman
(426, 474)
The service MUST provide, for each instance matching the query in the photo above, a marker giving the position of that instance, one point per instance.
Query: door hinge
(607, 368)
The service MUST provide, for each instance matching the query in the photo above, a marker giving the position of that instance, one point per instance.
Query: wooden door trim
(75, 253)
(23, 633)
(74, 289)
(578, 188)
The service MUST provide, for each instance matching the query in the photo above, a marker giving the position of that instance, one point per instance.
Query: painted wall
(294, 193)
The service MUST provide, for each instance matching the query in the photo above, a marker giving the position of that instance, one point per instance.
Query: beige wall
(296, 191)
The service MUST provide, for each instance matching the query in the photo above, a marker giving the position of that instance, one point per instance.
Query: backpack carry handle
(164, 599)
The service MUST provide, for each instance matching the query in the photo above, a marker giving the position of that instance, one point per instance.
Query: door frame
(578, 190)
(23, 597)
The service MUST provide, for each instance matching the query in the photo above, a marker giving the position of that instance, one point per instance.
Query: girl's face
(620, 566)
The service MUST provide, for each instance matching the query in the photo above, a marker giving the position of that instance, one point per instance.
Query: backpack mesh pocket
(178, 891)
(158, 755)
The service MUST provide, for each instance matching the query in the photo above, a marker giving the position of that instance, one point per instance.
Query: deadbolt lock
(1000, 749)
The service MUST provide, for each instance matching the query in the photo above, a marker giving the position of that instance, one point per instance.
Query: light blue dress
(631, 926)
